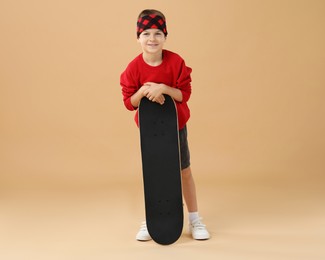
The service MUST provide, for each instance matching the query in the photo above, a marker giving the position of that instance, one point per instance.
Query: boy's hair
(151, 11)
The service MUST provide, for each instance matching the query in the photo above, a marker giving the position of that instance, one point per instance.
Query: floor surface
(247, 220)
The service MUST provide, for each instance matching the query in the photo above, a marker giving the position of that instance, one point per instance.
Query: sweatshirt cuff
(186, 96)
(128, 105)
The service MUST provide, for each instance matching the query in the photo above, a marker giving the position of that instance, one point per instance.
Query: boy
(151, 74)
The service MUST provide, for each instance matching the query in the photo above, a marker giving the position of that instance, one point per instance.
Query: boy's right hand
(160, 99)
(143, 89)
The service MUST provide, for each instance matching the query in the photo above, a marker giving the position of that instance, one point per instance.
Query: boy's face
(152, 41)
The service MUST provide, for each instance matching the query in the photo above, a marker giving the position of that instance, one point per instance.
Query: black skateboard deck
(161, 170)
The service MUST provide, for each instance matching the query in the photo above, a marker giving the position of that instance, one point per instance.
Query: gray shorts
(183, 147)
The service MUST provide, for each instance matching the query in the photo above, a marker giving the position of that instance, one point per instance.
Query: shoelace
(143, 226)
(197, 224)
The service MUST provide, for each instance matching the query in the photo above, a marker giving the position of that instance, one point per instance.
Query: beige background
(70, 171)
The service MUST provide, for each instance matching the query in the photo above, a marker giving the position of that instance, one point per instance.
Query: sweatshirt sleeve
(184, 82)
(129, 87)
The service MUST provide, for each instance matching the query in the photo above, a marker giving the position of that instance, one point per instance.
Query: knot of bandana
(151, 21)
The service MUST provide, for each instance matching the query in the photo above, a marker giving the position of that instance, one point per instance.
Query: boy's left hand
(155, 92)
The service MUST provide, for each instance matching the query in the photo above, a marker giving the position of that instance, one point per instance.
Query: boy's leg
(188, 185)
(189, 190)
(197, 228)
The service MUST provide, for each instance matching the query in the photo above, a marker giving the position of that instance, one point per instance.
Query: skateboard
(161, 170)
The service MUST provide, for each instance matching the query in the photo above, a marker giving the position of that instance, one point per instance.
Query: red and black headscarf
(151, 21)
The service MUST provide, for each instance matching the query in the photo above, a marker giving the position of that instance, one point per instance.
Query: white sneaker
(198, 230)
(143, 234)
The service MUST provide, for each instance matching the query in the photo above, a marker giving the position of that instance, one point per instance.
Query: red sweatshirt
(172, 72)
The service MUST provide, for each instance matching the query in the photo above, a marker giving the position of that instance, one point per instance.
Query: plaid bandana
(151, 21)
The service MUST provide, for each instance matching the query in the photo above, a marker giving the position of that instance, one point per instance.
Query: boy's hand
(154, 92)
(143, 89)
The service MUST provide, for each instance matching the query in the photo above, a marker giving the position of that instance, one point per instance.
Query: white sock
(193, 216)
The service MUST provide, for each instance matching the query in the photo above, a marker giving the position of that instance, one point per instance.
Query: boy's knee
(186, 172)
